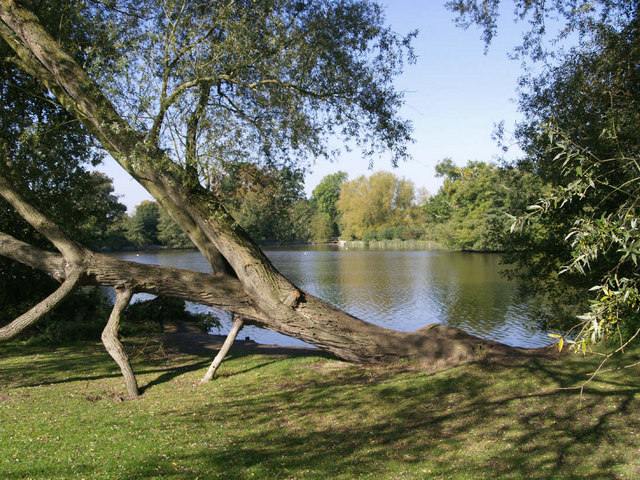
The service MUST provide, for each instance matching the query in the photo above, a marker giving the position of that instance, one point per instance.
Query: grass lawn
(270, 417)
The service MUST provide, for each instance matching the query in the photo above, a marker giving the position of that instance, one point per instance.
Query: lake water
(402, 290)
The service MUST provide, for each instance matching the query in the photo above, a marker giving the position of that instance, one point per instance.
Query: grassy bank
(62, 416)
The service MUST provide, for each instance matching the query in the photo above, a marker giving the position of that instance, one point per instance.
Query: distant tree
(142, 229)
(322, 229)
(371, 203)
(261, 199)
(300, 216)
(170, 234)
(325, 198)
(471, 210)
(474, 208)
(116, 234)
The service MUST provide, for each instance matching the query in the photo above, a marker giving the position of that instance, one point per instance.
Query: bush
(412, 232)
(150, 316)
(84, 315)
(386, 233)
(369, 235)
(81, 317)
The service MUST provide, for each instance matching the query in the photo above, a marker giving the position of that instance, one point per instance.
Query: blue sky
(454, 95)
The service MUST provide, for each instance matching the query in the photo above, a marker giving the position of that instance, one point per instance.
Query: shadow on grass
(452, 425)
(82, 362)
(477, 421)
(171, 373)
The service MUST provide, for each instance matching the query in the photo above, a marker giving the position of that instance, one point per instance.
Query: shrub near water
(150, 316)
(80, 317)
(84, 315)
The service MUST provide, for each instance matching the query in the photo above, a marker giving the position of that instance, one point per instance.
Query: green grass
(62, 415)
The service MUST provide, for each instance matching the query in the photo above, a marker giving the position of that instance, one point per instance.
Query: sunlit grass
(62, 415)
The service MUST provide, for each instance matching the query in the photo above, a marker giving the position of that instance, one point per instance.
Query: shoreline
(191, 340)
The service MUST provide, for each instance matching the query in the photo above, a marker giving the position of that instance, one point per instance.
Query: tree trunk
(112, 342)
(237, 326)
(269, 299)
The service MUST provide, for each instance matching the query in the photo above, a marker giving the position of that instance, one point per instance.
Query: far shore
(395, 244)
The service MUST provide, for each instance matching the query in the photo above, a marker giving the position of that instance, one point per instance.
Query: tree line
(472, 211)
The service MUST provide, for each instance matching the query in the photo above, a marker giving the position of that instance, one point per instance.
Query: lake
(402, 290)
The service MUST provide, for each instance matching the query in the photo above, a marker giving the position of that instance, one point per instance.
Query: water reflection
(403, 290)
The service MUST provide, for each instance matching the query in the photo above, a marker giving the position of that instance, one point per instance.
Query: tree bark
(269, 299)
(221, 292)
(112, 342)
(233, 333)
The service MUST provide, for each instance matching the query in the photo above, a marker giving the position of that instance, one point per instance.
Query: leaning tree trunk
(112, 342)
(226, 346)
(276, 303)
(438, 345)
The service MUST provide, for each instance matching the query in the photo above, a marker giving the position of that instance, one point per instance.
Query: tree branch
(112, 343)
(222, 292)
(28, 319)
(70, 250)
(233, 333)
(48, 262)
(192, 125)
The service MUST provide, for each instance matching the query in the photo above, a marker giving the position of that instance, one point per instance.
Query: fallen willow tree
(348, 337)
(298, 69)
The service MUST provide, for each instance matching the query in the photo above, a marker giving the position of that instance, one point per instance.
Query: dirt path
(190, 339)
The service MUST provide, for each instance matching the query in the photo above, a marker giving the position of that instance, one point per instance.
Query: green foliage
(82, 316)
(265, 201)
(142, 228)
(322, 228)
(474, 207)
(570, 19)
(170, 234)
(301, 215)
(402, 232)
(380, 201)
(150, 316)
(150, 226)
(116, 235)
(581, 136)
(325, 198)
(274, 78)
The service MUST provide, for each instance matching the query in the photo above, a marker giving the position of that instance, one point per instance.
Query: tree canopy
(369, 203)
(269, 81)
(48, 156)
(472, 209)
(325, 197)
